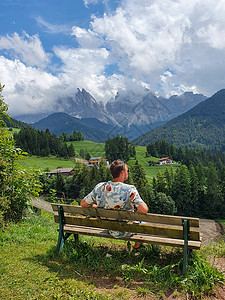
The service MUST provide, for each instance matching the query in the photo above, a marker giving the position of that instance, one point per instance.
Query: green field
(95, 150)
(52, 162)
(150, 171)
(12, 130)
(44, 163)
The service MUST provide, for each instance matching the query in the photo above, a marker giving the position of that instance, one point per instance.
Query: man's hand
(83, 203)
(142, 208)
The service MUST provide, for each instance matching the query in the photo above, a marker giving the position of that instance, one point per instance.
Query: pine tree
(194, 185)
(213, 196)
(181, 190)
(71, 152)
(160, 183)
(138, 176)
(168, 175)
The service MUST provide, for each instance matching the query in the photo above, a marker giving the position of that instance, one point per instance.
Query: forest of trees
(195, 191)
(186, 156)
(84, 180)
(119, 147)
(75, 136)
(198, 185)
(43, 143)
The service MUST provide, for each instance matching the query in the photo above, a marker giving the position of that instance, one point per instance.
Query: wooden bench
(158, 229)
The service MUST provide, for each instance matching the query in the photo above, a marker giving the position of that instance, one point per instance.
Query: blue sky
(49, 48)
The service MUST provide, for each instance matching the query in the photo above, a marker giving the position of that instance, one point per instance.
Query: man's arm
(142, 208)
(83, 203)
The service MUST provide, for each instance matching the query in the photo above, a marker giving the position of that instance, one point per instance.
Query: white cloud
(87, 2)
(86, 38)
(169, 46)
(185, 37)
(53, 28)
(27, 89)
(82, 61)
(27, 48)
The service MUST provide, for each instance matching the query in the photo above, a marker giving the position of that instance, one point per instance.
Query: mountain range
(123, 110)
(201, 126)
(91, 128)
(130, 115)
(144, 122)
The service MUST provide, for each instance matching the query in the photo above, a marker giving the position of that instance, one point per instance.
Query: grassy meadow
(12, 130)
(95, 150)
(45, 163)
(96, 268)
(150, 171)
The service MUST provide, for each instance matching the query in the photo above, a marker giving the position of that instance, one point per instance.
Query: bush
(162, 204)
(16, 184)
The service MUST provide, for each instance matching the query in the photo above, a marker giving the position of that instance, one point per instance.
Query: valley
(95, 150)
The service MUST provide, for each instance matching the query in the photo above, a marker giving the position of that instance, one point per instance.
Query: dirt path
(211, 230)
(41, 204)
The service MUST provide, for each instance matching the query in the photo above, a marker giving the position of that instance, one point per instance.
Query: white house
(165, 161)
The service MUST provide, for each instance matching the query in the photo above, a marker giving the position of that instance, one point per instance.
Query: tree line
(198, 185)
(77, 186)
(119, 147)
(186, 156)
(84, 180)
(42, 143)
(75, 136)
(196, 191)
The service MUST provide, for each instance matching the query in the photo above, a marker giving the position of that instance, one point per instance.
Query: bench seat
(143, 238)
(174, 231)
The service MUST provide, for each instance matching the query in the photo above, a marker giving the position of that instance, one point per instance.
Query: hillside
(92, 129)
(14, 123)
(201, 126)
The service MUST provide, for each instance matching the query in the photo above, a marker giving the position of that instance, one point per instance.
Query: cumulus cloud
(32, 90)
(27, 48)
(148, 39)
(168, 46)
(87, 38)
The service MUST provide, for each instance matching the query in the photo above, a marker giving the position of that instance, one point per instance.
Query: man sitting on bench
(116, 195)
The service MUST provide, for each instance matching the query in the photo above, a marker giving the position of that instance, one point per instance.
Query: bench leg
(76, 237)
(185, 234)
(60, 241)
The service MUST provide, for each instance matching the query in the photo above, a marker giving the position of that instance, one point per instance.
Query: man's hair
(117, 167)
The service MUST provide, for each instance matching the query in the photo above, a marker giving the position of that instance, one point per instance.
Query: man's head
(118, 169)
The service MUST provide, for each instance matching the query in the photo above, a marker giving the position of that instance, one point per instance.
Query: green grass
(30, 270)
(42, 163)
(150, 171)
(94, 149)
(92, 269)
(222, 221)
(14, 130)
(52, 162)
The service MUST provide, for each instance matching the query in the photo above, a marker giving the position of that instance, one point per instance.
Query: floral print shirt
(115, 195)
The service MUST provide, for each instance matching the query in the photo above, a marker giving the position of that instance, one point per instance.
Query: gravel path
(211, 230)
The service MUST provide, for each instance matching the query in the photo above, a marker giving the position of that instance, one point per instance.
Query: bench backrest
(155, 224)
